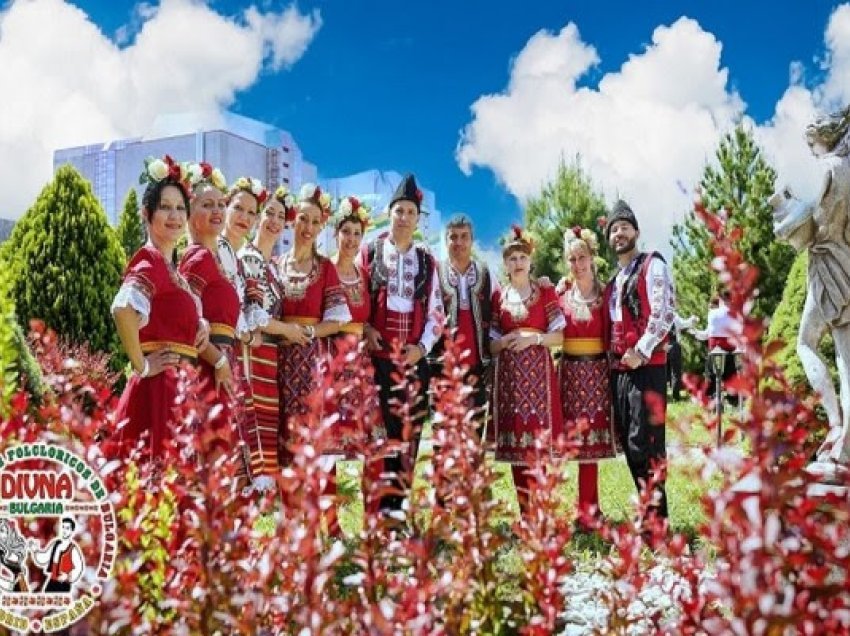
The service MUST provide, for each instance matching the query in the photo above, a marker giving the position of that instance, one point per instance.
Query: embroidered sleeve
(436, 314)
(555, 320)
(496, 307)
(662, 307)
(137, 290)
(334, 302)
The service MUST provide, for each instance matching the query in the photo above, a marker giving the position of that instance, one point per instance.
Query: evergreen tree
(569, 200)
(741, 183)
(65, 263)
(130, 230)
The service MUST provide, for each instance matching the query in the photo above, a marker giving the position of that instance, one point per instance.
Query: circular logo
(57, 538)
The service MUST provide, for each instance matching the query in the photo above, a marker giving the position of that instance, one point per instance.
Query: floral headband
(203, 173)
(311, 193)
(518, 238)
(352, 207)
(251, 186)
(287, 200)
(578, 233)
(157, 170)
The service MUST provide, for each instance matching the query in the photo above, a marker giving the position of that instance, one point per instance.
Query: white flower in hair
(256, 187)
(289, 200)
(325, 201)
(157, 169)
(195, 172)
(345, 207)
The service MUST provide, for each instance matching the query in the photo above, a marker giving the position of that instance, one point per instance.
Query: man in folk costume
(407, 310)
(467, 287)
(641, 302)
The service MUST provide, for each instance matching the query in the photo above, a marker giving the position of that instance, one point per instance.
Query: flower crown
(203, 173)
(352, 206)
(157, 170)
(518, 237)
(252, 186)
(287, 200)
(311, 193)
(578, 233)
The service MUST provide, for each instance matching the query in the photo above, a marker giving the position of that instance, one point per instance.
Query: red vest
(626, 332)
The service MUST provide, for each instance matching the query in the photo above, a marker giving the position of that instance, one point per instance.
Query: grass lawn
(616, 489)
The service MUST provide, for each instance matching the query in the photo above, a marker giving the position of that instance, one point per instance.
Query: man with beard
(641, 304)
(466, 287)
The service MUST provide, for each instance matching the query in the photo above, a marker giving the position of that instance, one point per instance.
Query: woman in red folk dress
(201, 265)
(314, 301)
(526, 403)
(358, 407)
(263, 306)
(583, 369)
(157, 316)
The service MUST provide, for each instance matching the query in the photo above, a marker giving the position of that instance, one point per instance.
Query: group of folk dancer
(261, 326)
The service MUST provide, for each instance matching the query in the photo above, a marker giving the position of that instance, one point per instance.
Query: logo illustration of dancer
(14, 575)
(49, 583)
(61, 561)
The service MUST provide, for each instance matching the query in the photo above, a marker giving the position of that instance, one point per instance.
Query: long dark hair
(152, 198)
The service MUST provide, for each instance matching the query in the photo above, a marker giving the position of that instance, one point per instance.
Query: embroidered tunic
(527, 398)
(308, 299)
(406, 303)
(169, 320)
(585, 378)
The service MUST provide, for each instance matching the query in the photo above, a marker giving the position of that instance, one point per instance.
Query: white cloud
(65, 83)
(648, 129)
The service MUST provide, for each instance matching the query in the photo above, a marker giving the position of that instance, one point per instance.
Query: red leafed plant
(198, 555)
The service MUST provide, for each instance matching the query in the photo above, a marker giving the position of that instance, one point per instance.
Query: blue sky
(389, 85)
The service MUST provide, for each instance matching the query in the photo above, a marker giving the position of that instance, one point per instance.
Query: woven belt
(222, 339)
(583, 346)
(186, 352)
(595, 357)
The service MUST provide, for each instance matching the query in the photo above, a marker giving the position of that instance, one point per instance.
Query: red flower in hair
(418, 195)
(577, 231)
(174, 171)
(206, 169)
(601, 222)
(261, 198)
(517, 230)
(355, 203)
(291, 213)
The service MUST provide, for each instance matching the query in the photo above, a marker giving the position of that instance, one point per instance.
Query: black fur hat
(408, 191)
(620, 212)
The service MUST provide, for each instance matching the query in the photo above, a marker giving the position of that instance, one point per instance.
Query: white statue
(823, 228)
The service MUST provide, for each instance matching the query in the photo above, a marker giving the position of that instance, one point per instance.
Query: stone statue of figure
(823, 228)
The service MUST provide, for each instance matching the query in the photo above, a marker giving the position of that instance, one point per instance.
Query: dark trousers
(400, 464)
(641, 438)
(674, 369)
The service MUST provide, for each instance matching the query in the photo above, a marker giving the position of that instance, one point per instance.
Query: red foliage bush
(198, 555)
